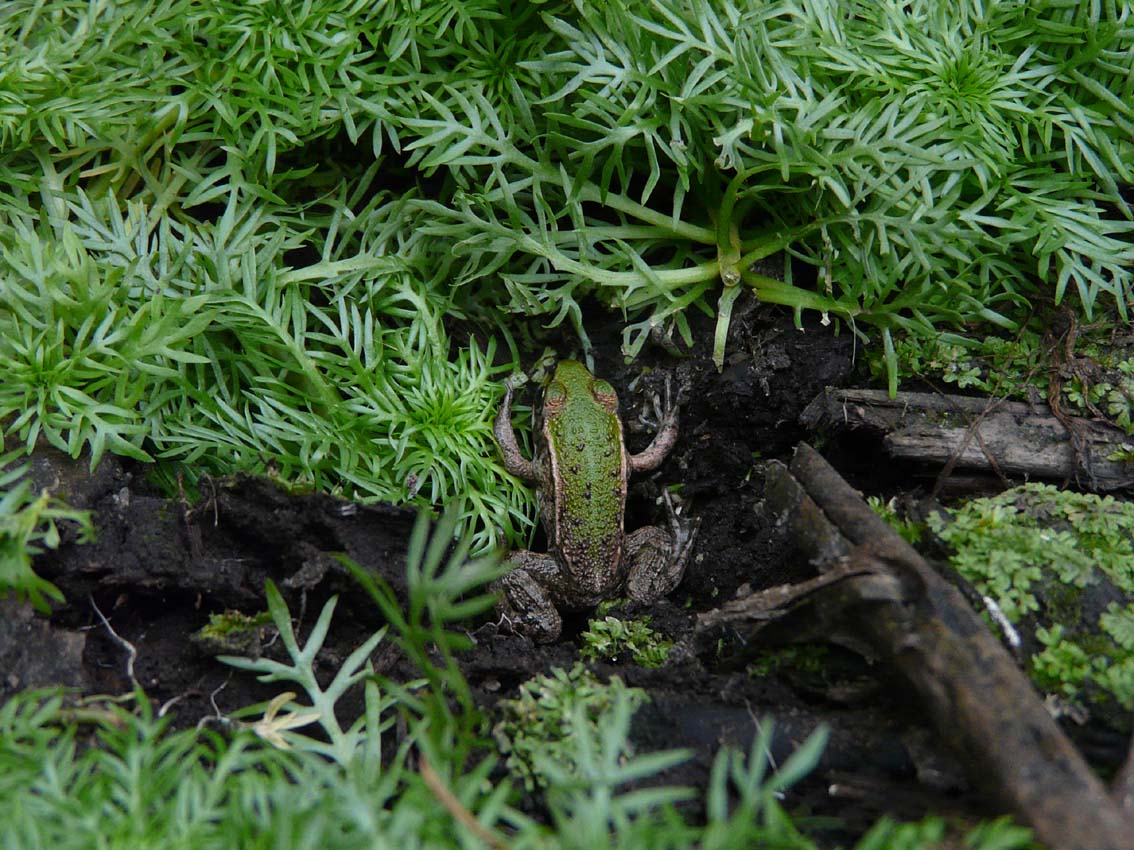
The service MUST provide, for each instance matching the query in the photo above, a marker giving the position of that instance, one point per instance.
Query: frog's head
(574, 383)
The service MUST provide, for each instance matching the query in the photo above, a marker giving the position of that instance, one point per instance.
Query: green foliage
(1098, 379)
(936, 163)
(806, 658)
(908, 529)
(1006, 543)
(1063, 666)
(232, 236)
(143, 786)
(1118, 396)
(128, 782)
(29, 524)
(999, 834)
(610, 638)
(194, 341)
(342, 745)
(537, 727)
(1033, 550)
(445, 589)
(1074, 665)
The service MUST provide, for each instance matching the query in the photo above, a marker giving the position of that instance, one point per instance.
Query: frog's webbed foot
(664, 408)
(658, 557)
(666, 423)
(525, 605)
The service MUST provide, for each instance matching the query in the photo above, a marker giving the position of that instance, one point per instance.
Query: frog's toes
(527, 609)
(658, 557)
(683, 529)
(651, 575)
(664, 412)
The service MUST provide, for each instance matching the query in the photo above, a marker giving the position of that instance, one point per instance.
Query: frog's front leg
(526, 602)
(657, 557)
(514, 460)
(665, 438)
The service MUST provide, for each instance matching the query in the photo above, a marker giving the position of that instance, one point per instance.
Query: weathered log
(876, 587)
(1007, 437)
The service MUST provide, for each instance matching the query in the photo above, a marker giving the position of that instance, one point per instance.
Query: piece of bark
(1006, 437)
(1122, 785)
(891, 600)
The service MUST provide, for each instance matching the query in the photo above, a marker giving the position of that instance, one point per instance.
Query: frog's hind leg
(525, 603)
(658, 557)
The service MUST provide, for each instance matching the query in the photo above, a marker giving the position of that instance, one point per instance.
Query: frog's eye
(605, 395)
(554, 397)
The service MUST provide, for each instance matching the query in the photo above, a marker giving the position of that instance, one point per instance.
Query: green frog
(582, 469)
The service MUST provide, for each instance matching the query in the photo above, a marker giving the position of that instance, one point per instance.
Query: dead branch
(1008, 437)
(893, 602)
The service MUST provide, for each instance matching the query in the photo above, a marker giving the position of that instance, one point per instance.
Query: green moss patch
(1061, 566)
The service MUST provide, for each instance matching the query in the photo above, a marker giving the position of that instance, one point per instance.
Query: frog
(581, 468)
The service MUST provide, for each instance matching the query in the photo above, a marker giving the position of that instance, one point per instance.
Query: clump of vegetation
(994, 365)
(126, 780)
(1096, 370)
(910, 530)
(1042, 554)
(29, 524)
(1073, 663)
(610, 638)
(535, 729)
(217, 255)
(232, 633)
(808, 659)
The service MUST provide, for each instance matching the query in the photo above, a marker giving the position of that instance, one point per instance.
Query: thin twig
(454, 806)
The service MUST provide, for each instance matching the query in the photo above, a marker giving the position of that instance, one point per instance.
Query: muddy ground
(160, 566)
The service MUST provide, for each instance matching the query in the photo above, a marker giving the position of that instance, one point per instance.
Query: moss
(233, 633)
(535, 726)
(611, 639)
(807, 658)
(1098, 380)
(1054, 561)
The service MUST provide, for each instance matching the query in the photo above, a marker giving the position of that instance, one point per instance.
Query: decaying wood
(892, 601)
(1006, 437)
(1122, 785)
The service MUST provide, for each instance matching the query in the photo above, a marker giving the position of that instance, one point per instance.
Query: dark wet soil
(160, 567)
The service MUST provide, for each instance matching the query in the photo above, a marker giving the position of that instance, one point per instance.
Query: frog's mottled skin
(582, 468)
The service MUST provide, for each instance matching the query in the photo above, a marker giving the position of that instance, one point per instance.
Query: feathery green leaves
(243, 236)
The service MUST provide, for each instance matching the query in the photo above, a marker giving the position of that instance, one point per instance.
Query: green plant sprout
(342, 744)
(909, 530)
(609, 638)
(1037, 551)
(233, 633)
